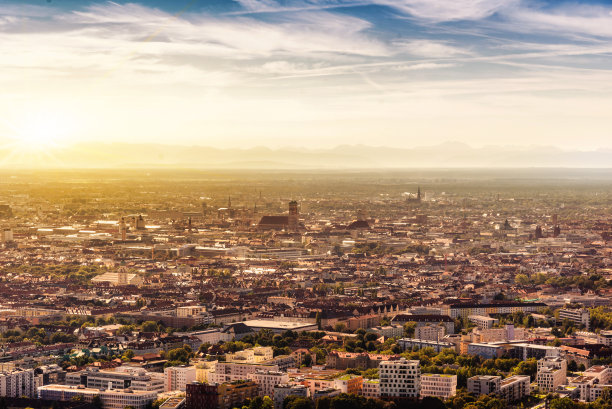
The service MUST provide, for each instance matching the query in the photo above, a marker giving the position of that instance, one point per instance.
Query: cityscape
(170, 289)
(305, 204)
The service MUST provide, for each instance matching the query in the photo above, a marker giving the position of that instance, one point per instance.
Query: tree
(297, 402)
(430, 402)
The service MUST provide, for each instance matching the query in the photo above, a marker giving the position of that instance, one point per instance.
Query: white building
(430, 332)
(267, 380)
(552, 372)
(177, 377)
(233, 371)
(483, 321)
(439, 385)
(579, 316)
(17, 383)
(111, 399)
(122, 377)
(399, 379)
(388, 331)
(251, 355)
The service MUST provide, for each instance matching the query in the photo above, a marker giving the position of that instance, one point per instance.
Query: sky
(306, 73)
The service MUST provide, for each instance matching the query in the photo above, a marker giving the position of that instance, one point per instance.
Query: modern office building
(438, 385)
(399, 379)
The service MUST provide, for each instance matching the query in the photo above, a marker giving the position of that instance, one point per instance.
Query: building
(515, 388)
(350, 384)
(123, 377)
(399, 379)
(464, 310)
(359, 360)
(119, 278)
(370, 388)
(605, 338)
(201, 396)
(483, 384)
(410, 343)
(388, 331)
(439, 385)
(289, 222)
(17, 383)
(483, 321)
(579, 316)
(178, 377)
(231, 394)
(251, 356)
(282, 391)
(234, 371)
(552, 372)
(221, 396)
(426, 319)
(508, 333)
(429, 332)
(111, 399)
(267, 380)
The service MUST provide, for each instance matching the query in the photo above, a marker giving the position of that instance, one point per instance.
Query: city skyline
(317, 74)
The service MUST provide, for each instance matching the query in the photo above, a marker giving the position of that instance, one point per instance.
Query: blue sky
(316, 73)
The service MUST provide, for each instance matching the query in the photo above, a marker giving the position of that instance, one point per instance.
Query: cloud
(445, 10)
(430, 49)
(563, 20)
(422, 66)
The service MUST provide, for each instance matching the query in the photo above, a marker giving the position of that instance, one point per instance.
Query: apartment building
(399, 379)
(232, 371)
(483, 384)
(178, 377)
(579, 316)
(438, 385)
(552, 372)
(16, 383)
(483, 321)
(515, 388)
(430, 332)
(267, 380)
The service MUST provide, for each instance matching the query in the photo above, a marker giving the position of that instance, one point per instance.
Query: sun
(42, 132)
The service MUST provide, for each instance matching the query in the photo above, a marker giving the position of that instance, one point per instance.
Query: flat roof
(287, 325)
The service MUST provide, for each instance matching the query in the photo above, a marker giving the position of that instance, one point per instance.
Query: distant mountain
(446, 155)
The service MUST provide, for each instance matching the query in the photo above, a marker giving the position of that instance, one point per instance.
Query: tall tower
(419, 193)
(294, 215)
(122, 229)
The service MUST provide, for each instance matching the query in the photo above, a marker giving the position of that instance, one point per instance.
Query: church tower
(294, 216)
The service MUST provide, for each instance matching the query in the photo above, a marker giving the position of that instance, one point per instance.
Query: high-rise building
(17, 383)
(399, 379)
(552, 372)
(178, 377)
